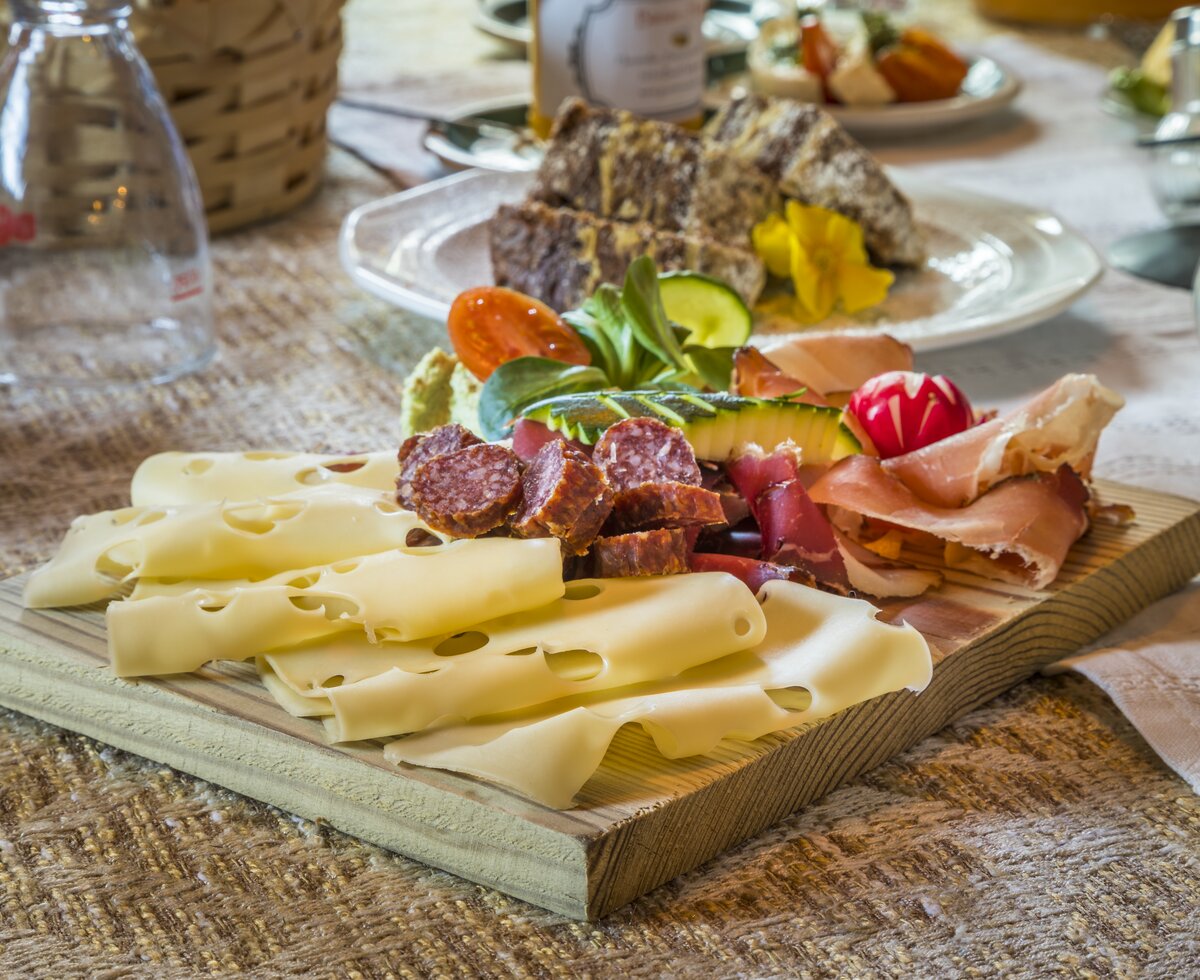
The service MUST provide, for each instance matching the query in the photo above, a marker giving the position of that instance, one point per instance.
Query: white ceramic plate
(988, 88)
(994, 267)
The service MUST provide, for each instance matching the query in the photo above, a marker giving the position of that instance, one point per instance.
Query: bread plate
(994, 267)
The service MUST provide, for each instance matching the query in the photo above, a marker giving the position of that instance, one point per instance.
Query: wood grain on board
(641, 820)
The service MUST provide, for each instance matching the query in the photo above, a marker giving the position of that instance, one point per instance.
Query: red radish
(903, 410)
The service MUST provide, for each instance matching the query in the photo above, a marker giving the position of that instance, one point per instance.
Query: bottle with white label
(646, 56)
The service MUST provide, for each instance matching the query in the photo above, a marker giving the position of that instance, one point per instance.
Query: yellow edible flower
(823, 253)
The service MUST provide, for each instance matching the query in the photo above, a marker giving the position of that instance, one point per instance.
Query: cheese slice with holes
(297, 705)
(822, 653)
(603, 634)
(193, 478)
(251, 539)
(405, 594)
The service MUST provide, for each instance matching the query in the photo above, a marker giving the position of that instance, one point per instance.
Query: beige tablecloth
(1038, 836)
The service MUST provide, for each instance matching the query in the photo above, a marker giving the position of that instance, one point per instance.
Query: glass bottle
(648, 58)
(1175, 145)
(104, 270)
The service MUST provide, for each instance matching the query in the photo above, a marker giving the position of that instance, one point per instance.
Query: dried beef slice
(564, 495)
(660, 552)
(468, 492)
(642, 450)
(417, 450)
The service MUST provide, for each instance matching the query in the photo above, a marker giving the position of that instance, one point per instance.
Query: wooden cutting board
(641, 820)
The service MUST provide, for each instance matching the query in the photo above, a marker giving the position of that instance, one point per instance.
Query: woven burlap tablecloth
(1037, 836)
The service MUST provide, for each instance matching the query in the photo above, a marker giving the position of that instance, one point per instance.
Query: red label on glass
(185, 285)
(25, 227)
(16, 227)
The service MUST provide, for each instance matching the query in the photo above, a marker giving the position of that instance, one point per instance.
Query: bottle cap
(1187, 25)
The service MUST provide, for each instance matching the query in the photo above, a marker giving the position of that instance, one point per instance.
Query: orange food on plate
(920, 68)
(818, 53)
(491, 325)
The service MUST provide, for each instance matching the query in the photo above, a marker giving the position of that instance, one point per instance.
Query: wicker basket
(248, 83)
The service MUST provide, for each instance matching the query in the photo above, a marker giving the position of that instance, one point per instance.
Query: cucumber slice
(712, 310)
(717, 425)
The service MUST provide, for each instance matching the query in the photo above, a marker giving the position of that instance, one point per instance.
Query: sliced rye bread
(817, 162)
(616, 165)
(560, 255)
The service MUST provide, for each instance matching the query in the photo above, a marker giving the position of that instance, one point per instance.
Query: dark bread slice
(616, 165)
(816, 161)
(560, 256)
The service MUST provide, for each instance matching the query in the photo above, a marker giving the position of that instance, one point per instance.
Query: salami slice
(656, 505)
(642, 450)
(661, 552)
(417, 450)
(562, 494)
(468, 492)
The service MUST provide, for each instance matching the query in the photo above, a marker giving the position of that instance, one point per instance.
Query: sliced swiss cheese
(822, 653)
(294, 704)
(603, 634)
(405, 594)
(221, 540)
(194, 478)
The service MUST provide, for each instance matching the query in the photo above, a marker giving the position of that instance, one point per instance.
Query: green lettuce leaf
(515, 385)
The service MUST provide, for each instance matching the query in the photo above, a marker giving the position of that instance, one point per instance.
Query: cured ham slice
(756, 377)
(794, 530)
(529, 436)
(1018, 531)
(837, 362)
(751, 571)
(1060, 426)
(872, 576)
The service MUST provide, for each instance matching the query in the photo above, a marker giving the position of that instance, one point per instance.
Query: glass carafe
(104, 269)
(1175, 147)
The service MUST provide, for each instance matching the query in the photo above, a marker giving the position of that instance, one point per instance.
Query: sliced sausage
(418, 450)
(642, 450)
(563, 494)
(655, 505)
(661, 552)
(468, 492)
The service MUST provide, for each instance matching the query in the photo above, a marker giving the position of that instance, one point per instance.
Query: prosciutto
(871, 575)
(1058, 427)
(1018, 531)
(829, 363)
(756, 377)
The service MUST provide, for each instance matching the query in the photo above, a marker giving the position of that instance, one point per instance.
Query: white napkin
(1150, 667)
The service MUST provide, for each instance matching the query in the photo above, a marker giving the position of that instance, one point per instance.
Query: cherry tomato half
(491, 325)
